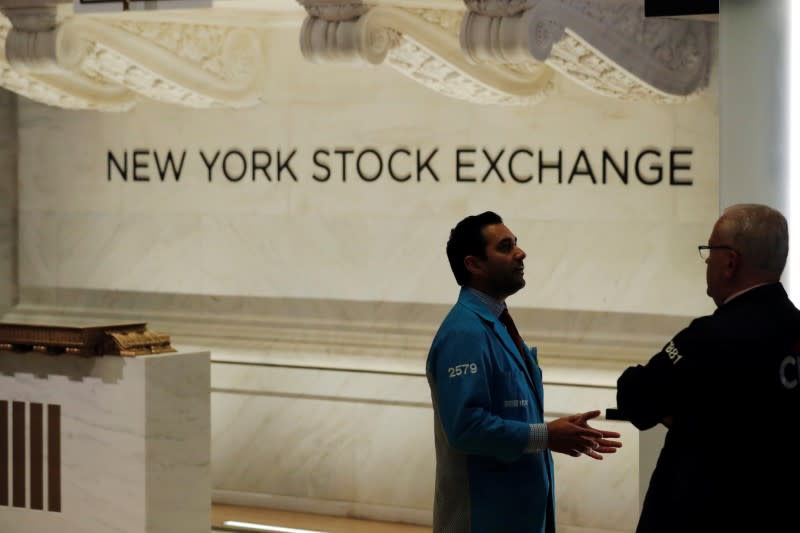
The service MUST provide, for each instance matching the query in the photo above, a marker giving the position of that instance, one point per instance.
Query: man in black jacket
(728, 389)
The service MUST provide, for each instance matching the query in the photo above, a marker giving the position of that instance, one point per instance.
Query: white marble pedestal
(104, 444)
(650, 444)
(649, 447)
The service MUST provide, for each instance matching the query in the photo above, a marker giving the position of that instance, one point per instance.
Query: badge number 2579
(462, 370)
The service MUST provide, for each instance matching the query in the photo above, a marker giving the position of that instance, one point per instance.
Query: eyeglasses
(705, 249)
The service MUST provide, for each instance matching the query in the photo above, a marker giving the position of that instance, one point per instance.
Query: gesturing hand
(573, 435)
(603, 444)
(566, 435)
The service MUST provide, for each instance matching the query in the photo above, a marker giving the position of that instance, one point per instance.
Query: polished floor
(302, 521)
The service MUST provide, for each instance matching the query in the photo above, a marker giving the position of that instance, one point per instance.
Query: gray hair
(760, 234)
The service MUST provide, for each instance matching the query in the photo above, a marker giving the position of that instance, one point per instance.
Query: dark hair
(467, 239)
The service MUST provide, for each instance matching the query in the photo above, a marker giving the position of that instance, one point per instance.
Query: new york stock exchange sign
(524, 165)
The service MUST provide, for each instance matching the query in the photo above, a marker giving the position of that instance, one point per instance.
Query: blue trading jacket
(484, 399)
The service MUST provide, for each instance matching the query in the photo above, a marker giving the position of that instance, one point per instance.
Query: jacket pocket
(511, 398)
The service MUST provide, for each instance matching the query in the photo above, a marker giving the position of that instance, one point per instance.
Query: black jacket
(731, 458)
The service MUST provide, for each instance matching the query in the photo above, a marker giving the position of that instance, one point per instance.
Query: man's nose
(521, 254)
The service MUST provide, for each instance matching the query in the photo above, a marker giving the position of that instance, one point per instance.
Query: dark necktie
(506, 320)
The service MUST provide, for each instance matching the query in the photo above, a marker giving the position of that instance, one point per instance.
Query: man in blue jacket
(494, 471)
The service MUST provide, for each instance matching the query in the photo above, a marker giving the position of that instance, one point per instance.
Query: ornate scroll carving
(500, 52)
(608, 47)
(334, 11)
(66, 90)
(108, 63)
(423, 45)
(513, 47)
(349, 41)
(499, 8)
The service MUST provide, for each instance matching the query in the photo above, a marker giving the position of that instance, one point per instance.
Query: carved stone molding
(423, 45)
(376, 335)
(482, 51)
(334, 10)
(346, 41)
(508, 50)
(608, 47)
(499, 8)
(108, 63)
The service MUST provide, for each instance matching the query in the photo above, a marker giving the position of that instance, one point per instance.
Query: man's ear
(474, 264)
(734, 263)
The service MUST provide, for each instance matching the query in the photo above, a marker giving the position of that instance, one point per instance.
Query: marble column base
(106, 444)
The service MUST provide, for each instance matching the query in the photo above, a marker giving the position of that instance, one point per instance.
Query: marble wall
(360, 444)
(8, 199)
(334, 417)
(592, 246)
(318, 298)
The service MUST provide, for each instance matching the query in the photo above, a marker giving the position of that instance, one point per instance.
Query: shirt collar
(495, 306)
(736, 294)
